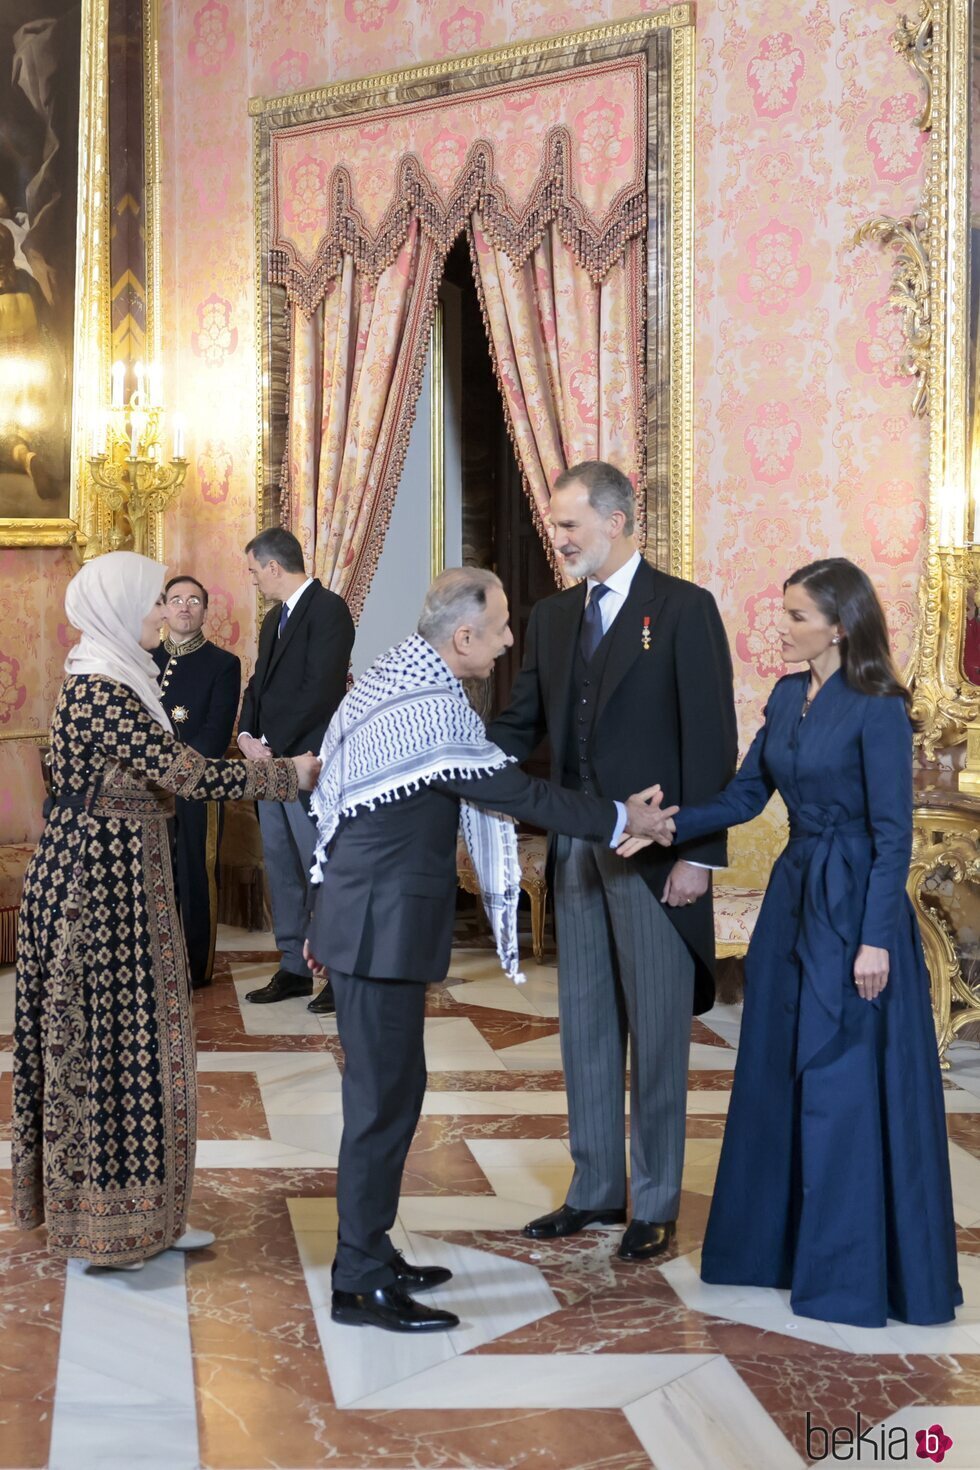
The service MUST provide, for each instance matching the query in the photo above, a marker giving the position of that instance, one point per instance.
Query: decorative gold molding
(944, 839)
(437, 443)
(944, 700)
(92, 324)
(37, 737)
(676, 16)
(910, 291)
(682, 304)
(151, 216)
(913, 40)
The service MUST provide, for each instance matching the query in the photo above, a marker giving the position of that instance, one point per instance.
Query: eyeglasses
(183, 601)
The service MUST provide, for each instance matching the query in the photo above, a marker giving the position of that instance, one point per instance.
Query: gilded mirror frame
(670, 280)
(932, 285)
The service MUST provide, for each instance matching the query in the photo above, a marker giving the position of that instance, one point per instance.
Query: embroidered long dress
(104, 1065)
(834, 1173)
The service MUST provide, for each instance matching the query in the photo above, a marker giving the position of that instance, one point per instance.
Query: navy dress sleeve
(745, 796)
(886, 760)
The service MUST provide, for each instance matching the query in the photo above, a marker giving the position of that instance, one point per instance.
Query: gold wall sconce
(129, 472)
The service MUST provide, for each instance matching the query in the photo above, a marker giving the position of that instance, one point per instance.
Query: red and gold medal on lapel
(645, 635)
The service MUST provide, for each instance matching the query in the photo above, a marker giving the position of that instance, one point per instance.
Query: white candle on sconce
(98, 436)
(118, 383)
(140, 382)
(178, 449)
(137, 431)
(156, 385)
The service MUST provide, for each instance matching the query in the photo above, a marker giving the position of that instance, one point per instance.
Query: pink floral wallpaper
(804, 442)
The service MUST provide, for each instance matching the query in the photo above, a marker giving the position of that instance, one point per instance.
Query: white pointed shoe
(102, 1266)
(193, 1240)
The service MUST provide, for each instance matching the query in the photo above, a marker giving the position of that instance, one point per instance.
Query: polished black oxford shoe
(645, 1239)
(389, 1307)
(283, 986)
(569, 1221)
(324, 1003)
(418, 1278)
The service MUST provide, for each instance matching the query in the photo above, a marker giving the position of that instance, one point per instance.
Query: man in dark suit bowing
(406, 763)
(300, 677)
(200, 684)
(629, 674)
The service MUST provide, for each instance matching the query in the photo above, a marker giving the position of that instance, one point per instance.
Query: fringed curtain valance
(548, 177)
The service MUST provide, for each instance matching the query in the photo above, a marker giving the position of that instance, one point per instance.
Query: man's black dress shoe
(389, 1307)
(324, 1003)
(645, 1239)
(569, 1221)
(418, 1278)
(283, 986)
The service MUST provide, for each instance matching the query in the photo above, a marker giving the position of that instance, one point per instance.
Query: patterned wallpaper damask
(805, 446)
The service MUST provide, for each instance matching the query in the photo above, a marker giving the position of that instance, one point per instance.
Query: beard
(587, 562)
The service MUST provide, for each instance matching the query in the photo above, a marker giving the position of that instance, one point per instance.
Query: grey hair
(457, 596)
(609, 489)
(277, 544)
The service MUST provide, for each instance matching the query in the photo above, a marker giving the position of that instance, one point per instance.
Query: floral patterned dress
(104, 1066)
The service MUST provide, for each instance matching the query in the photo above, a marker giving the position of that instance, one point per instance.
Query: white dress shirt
(619, 585)
(292, 601)
(290, 605)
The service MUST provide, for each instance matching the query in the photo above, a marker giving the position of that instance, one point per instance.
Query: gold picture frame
(670, 282)
(91, 294)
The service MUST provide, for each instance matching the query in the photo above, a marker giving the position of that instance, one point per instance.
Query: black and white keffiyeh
(407, 722)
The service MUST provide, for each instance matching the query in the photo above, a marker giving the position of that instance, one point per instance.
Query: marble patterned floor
(566, 1357)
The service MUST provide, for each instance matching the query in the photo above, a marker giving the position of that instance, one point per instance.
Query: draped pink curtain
(548, 171)
(355, 370)
(565, 353)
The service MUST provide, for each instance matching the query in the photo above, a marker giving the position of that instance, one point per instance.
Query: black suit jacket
(205, 683)
(386, 905)
(664, 715)
(300, 678)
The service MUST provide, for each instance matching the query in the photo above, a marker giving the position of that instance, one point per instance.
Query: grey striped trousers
(624, 974)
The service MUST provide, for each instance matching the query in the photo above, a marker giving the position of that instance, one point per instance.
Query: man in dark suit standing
(629, 674)
(200, 685)
(300, 677)
(388, 803)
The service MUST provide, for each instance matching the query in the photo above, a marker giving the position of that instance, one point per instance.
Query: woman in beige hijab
(104, 1065)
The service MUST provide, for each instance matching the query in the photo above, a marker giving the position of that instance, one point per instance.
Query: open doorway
(498, 530)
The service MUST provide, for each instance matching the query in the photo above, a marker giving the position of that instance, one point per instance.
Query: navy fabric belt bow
(834, 891)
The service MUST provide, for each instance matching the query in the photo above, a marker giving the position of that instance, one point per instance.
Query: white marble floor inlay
(484, 985)
(709, 1418)
(300, 1094)
(125, 1392)
(724, 1021)
(959, 1422)
(519, 1381)
(491, 1296)
(768, 1309)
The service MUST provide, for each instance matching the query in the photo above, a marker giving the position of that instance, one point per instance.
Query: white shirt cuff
(621, 820)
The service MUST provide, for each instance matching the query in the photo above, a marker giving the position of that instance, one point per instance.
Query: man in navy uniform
(201, 684)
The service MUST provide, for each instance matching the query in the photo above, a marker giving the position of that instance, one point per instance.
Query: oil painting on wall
(40, 54)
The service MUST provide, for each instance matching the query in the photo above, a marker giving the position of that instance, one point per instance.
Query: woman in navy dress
(834, 1173)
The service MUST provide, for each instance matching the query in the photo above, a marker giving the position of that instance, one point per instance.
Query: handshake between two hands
(647, 820)
(307, 766)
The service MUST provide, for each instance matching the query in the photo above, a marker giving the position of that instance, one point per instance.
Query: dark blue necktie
(591, 635)
(283, 618)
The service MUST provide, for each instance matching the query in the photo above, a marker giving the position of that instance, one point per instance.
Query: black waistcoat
(578, 773)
